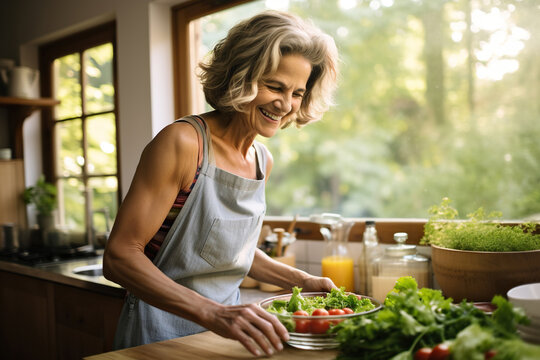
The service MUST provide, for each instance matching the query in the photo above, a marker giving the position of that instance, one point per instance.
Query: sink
(89, 270)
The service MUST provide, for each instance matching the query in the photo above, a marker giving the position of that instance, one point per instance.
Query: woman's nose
(284, 103)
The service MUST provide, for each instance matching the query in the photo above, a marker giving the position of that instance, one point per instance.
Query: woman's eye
(273, 88)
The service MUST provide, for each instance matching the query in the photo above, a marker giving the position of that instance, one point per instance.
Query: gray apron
(209, 248)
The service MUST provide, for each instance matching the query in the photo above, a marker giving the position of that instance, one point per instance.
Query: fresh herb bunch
(414, 318)
(481, 232)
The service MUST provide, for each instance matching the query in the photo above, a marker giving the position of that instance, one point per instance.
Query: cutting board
(206, 346)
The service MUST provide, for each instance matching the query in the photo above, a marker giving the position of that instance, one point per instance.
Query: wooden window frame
(78, 42)
(182, 15)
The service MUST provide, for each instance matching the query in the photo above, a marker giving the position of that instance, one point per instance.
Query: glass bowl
(313, 336)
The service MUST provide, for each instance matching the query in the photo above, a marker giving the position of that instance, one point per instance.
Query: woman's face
(280, 95)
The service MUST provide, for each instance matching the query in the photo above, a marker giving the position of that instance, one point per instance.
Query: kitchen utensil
(290, 230)
(279, 246)
(312, 341)
(21, 81)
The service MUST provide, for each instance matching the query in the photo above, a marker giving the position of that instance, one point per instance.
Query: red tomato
(301, 313)
(440, 352)
(336, 312)
(302, 326)
(319, 326)
(490, 354)
(348, 311)
(422, 353)
(320, 312)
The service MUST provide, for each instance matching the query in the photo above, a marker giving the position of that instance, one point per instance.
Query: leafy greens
(413, 318)
(335, 299)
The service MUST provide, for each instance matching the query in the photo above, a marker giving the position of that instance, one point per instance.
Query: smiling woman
(188, 228)
(423, 109)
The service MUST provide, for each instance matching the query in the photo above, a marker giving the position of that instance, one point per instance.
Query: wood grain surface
(206, 346)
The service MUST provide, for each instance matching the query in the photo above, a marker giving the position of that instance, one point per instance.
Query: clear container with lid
(398, 260)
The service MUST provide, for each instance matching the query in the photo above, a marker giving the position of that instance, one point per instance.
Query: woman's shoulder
(178, 139)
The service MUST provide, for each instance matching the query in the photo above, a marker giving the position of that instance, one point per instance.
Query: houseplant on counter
(43, 197)
(478, 258)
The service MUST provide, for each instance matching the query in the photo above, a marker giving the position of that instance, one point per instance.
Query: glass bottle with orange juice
(337, 263)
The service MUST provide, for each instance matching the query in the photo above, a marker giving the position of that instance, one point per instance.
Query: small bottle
(398, 260)
(370, 251)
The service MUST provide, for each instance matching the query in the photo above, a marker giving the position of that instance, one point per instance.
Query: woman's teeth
(271, 116)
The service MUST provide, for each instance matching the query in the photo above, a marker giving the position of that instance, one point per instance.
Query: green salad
(335, 299)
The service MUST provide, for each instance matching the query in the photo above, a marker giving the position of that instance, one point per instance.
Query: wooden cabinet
(85, 322)
(45, 320)
(25, 323)
(12, 207)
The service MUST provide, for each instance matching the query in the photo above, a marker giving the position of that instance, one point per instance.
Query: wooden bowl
(479, 275)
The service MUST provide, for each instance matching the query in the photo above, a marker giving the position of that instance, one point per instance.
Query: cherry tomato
(440, 352)
(336, 312)
(422, 353)
(301, 313)
(490, 354)
(319, 326)
(302, 326)
(348, 310)
(320, 312)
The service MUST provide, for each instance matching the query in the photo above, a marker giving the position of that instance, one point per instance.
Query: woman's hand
(249, 324)
(316, 283)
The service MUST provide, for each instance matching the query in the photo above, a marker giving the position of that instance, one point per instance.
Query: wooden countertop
(206, 346)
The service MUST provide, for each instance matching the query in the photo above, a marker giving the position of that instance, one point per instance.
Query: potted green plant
(480, 257)
(43, 196)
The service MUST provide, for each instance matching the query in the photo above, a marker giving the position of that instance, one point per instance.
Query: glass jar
(371, 250)
(398, 260)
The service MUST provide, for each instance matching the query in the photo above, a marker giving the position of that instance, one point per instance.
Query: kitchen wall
(144, 54)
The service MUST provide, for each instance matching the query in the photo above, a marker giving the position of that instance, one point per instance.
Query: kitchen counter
(62, 273)
(206, 346)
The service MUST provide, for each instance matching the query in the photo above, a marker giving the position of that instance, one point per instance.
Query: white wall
(145, 103)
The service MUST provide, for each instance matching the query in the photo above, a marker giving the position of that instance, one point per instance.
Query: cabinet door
(26, 328)
(12, 207)
(85, 321)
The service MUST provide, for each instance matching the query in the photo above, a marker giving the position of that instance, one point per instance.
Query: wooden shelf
(18, 110)
(39, 102)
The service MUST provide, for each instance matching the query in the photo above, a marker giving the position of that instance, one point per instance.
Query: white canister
(22, 81)
(5, 154)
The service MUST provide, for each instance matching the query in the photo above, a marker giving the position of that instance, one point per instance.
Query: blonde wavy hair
(253, 49)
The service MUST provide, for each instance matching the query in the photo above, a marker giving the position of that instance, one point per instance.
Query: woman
(185, 235)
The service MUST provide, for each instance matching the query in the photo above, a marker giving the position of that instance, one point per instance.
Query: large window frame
(75, 43)
(186, 96)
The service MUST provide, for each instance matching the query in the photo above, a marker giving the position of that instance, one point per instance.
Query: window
(79, 135)
(436, 98)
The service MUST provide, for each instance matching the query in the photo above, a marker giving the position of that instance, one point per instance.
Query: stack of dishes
(527, 297)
